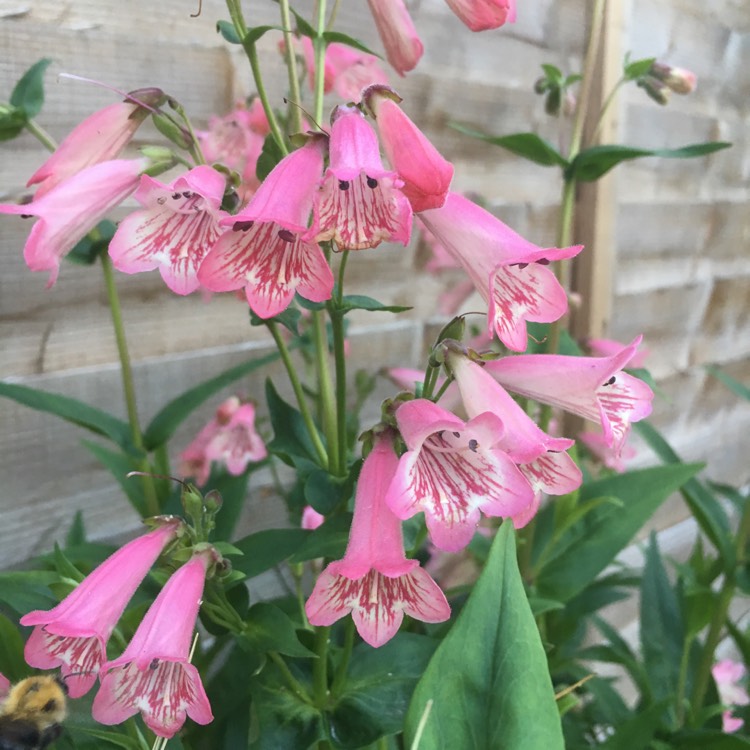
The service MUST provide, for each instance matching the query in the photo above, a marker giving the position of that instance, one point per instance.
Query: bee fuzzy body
(31, 715)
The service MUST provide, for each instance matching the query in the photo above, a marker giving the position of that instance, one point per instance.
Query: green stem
(295, 99)
(326, 391)
(320, 667)
(235, 13)
(340, 677)
(319, 46)
(41, 134)
(128, 387)
(682, 681)
(607, 104)
(339, 358)
(195, 148)
(291, 680)
(298, 392)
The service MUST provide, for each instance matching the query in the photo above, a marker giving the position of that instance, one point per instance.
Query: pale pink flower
(454, 471)
(4, 685)
(595, 388)
(153, 675)
(374, 581)
(100, 137)
(69, 210)
(403, 47)
(728, 675)
(359, 203)
(74, 634)
(608, 347)
(508, 271)
(425, 173)
(311, 519)
(480, 15)
(265, 251)
(179, 224)
(604, 453)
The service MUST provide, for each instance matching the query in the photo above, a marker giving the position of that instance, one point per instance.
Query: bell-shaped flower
(153, 675)
(72, 208)
(403, 47)
(594, 388)
(74, 634)
(359, 203)
(264, 250)
(174, 231)
(374, 581)
(100, 137)
(480, 15)
(425, 173)
(452, 470)
(508, 271)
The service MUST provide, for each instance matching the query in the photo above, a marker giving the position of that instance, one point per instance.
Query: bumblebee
(31, 715)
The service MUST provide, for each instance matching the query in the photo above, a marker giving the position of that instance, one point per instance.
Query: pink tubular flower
(100, 137)
(73, 635)
(597, 445)
(72, 208)
(311, 519)
(153, 674)
(426, 174)
(480, 15)
(452, 470)
(359, 204)
(374, 581)
(592, 387)
(264, 251)
(403, 47)
(608, 347)
(507, 270)
(728, 674)
(178, 225)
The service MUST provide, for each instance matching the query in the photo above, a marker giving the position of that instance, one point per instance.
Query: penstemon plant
(374, 642)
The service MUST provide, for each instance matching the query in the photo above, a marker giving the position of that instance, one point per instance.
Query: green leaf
(703, 740)
(164, 424)
(269, 157)
(290, 437)
(74, 411)
(269, 629)
(734, 385)
(708, 511)
(328, 540)
(337, 37)
(255, 33)
(227, 30)
(303, 27)
(637, 68)
(120, 465)
(65, 568)
(597, 539)
(77, 532)
(378, 687)
(324, 491)
(233, 491)
(28, 93)
(87, 251)
(553, 73)
(266, 549)
(478, 688)
(362, 302)
(12, 664)
(288, 318)
(636, 732)
(114, 738)
(27, 590)
(12, 122)
(593, 162)
(528, 145)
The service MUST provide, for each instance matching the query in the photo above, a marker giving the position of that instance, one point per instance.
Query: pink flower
(592, 387)
(679, 80)
(229, 438)
(72, 208)
(608, 347)
(74, 634)
(264, 251)
(311, 519)
(100, 137)
(4, 685)
(403, 47)
(375, 581)
(359, 204)
(728, 674)
(508, 271)
(480, 15)
(153, 674)
(452, 470)
(597, 444)
(173, 233)
(426, 174)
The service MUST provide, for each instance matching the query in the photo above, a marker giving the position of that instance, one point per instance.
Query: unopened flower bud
(679, 80)
(569, 104)
(169, 128)
(552, 102)
(657, 90)
(151, 96)
(213, 502)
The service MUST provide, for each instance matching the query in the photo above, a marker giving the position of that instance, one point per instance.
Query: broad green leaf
(528, 145)
(553, 73)
(12, 664)
(328, 540)
(113, 738)
(27, 590)
(266, 549)
(708, 511)
(488, 671)
(539, 606)
(233, 491)
(65, 568)
(378, 687)
(255, 33)
(593, 162)
(12, 122)
(290, 437)
(362, 302)
(734, 385)
(595, 541)
(87, 251)
(337, 37)
(288, 318)
(637, 68)
(228, 32)
(164, 424)
(269, 629)
(303, 26)
(28, 93)
(72, 410)
(706, 740)
(269, 157)
(636, 732)
(120, 465)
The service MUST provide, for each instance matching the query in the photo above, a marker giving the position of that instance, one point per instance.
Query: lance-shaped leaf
(489, 671)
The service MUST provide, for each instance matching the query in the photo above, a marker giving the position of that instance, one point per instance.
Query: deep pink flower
(74, 634)
(374, 581)
(728, 674)
(480, 15)
(179, 224)
(100, 137)
(311, 519)
(264, 251)
(426, 174)
(592, 387)
(403, 47)
(359, 203)
(72, 208)
(508, 271)
(452, 470)
(153, 675)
